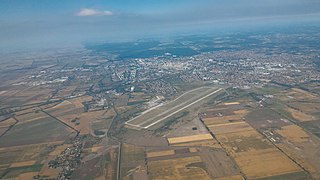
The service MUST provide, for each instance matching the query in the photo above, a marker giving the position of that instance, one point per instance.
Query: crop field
(71, 113)
(205, 143)
(4, 125)
(178, 169)
(256, 156)
(232, 127)
(218, 163)
(303, 101)
(35, 131)
(295, 94)
(31, 116)
(78, 102)
(160, 153)
(162, 112)
(293, 133)
(25, 96)
(186, 139)
(133, 162)
(308, 158)
(264, 163)
(66, 91)
(23, 163)
(22, 160)
(253, 153)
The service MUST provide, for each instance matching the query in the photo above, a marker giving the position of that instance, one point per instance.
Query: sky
(58, 23)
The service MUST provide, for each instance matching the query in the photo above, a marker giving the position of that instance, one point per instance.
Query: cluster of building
(69, 159)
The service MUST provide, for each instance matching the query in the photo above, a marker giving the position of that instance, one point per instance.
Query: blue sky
(57, 23)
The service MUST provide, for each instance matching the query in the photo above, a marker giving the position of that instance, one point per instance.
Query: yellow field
(193, 150)
(307, 107)
(96, 149)
(24, 163)
(27, 176)
(192, 138)
(211, 121)
(293, 133)
(256, 156)
(33, 116)
(160, 153)
(305, 93)
(297, 94)
(241, 112)
(78, 101)
(64, 104)
(264, 163)
(298, 158)
(230, 128)
(176, 169)
(7, 123)
(58, 150)
(67, 111)
(231, 103)
(300, 115)
(206, 143)
(253, 153)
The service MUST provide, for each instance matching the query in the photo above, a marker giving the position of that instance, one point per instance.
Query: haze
(47, 24)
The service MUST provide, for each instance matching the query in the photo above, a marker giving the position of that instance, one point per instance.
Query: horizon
(49, 24)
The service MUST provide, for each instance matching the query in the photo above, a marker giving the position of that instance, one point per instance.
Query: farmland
(96, 114)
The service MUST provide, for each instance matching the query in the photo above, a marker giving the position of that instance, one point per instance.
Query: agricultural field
(302, 105)
(32, 131)
(18, 161)
(192, 138)
(179, 168)
(133, 164)
(72, 113)
(26, 95)
(253, 153)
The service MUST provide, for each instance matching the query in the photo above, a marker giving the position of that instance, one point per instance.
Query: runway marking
(144, 112)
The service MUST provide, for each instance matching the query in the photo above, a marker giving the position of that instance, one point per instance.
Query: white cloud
(93, 12)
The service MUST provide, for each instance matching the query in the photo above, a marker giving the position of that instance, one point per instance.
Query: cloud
(93, 12)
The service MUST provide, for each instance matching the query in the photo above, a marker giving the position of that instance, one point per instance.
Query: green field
(42, 130)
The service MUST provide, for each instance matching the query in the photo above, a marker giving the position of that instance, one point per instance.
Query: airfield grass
(172, 106)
